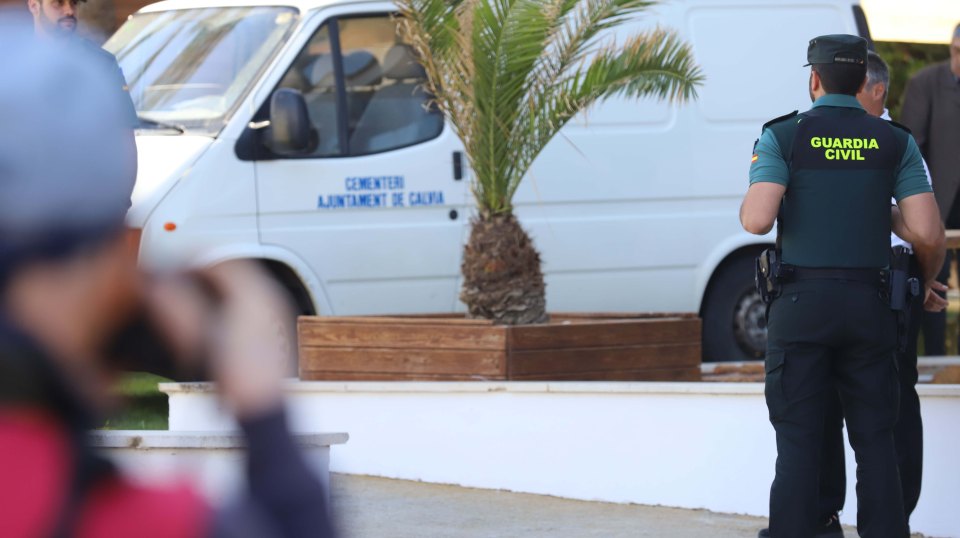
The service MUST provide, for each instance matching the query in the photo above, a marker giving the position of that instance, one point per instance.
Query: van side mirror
(290, 131)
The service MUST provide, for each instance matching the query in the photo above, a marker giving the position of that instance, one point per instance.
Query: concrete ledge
(526, 387)
(152, 440)
(929, 369)
(213, 462)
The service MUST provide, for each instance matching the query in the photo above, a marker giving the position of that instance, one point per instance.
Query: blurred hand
(932, 301)
(253, 340)
(184, 316)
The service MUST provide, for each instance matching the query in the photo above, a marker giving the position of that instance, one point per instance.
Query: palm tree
(508, 75)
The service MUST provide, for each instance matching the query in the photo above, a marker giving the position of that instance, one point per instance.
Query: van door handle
(457, 165)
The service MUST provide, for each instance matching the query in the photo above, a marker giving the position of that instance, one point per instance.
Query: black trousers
(829, 337)
(908, 432)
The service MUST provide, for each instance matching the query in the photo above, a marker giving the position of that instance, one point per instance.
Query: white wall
(692, 445)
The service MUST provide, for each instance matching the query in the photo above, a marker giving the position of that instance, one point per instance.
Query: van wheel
(298, 294)
(734, 316)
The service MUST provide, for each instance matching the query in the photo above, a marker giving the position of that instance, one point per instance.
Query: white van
(357, 196)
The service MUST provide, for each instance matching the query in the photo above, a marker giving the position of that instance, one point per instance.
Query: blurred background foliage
(905, 60)
(144, 406)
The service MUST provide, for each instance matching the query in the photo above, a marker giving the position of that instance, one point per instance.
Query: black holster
(769, 275)
(764, 279)
(902, 291)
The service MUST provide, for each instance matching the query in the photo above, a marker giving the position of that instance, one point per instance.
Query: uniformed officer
(829, 174)
(908, 433)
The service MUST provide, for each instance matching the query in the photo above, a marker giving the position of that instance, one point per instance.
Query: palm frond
(509, 74)
(651, 64)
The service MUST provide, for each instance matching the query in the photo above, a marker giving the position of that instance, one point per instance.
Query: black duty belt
(874, 277)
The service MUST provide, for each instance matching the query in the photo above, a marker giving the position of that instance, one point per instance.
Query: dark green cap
(837, 48)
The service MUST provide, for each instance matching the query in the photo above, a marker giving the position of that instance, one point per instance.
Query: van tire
(303, 305)
(289, 281)
(734, 317)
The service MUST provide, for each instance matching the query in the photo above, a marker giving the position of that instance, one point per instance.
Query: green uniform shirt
(840, 167)
(770, 166)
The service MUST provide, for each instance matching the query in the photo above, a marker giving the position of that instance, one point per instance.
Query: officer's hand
(933, 302)
(254, 339)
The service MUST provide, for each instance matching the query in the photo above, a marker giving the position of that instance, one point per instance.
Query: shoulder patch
(781, 118)
(900, 125)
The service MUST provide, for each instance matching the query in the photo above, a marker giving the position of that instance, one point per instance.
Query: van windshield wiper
(154, 124)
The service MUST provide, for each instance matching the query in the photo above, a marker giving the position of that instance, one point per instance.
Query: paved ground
(379, 508)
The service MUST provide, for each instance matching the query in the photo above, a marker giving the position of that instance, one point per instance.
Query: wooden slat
(953, 239)
(452, 348)
(617, 316)
(401, 336)
(608, 334)
(665, 374)
(395, 320)
(605, 359)
(319, 375)
(409, 361)
(948, 375)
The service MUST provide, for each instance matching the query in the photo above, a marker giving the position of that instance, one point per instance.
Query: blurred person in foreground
(931, 109)
(75, 311)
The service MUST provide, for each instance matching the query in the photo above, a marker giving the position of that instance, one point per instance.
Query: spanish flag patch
(754, 159)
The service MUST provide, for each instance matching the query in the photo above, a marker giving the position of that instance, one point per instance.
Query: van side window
(386, 105)
(312, 74)
(388, 108)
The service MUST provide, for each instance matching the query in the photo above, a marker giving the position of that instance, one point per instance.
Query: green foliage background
(145, 408)
(905, 59)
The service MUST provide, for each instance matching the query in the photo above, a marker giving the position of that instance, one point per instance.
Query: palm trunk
(502, 278)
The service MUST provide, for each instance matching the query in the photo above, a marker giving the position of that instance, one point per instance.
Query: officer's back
(828, 174)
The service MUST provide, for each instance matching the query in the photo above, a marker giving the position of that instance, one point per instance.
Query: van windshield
(188, 69)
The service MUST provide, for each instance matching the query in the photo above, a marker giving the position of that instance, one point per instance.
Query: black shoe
(832, 529)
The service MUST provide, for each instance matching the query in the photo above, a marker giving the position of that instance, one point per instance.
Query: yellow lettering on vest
(844, 149)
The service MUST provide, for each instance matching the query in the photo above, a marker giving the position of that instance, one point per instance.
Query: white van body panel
(212, 204)
(162, 161)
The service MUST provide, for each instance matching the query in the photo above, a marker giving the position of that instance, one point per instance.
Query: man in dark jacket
(57, 20)
(931, 109)
(75, 310)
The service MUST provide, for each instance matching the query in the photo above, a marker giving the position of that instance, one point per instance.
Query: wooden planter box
(573, 347)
